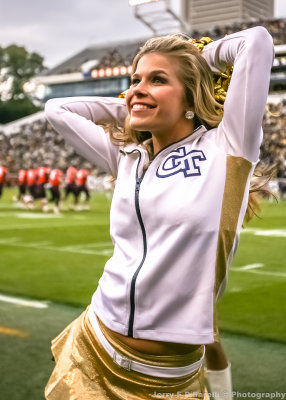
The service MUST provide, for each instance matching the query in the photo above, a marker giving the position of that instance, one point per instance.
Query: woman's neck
(160, 142)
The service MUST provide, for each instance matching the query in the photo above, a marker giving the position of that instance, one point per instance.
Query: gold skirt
(85, 371)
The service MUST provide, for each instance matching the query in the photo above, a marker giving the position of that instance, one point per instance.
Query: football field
(50, 266)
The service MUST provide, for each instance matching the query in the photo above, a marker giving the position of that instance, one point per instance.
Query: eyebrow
(154, 72)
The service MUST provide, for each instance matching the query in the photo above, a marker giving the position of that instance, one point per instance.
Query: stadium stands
(31, 142)
(276, 27)
(113, 54)
(34, 143)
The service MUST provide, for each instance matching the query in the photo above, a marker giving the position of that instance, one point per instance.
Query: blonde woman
(183, 168)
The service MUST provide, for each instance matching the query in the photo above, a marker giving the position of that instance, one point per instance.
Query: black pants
(56, 195)
(84, 189)
(70, 188)
(22, 189)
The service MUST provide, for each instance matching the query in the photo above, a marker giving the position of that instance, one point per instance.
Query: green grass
(255, 304)
(37, 261)
(60, 259)
(26, 364)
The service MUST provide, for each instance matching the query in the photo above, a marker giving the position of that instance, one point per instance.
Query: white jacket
(175, 227)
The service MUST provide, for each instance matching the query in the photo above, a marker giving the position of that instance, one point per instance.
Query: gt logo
(180, 161)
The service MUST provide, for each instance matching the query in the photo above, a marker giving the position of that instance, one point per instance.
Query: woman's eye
(134, 82)
(159, 79)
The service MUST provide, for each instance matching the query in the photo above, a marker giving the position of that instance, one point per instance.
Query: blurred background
(52, 254)
(72, 48)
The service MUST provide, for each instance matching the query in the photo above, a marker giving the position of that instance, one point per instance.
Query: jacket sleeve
(76, 118)
(251, 54)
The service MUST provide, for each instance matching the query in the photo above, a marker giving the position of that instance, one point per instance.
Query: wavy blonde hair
(195, 76)
(197, 79)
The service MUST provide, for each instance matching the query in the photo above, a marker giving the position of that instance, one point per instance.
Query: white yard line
(252, 270)
(15, 242)
(38, 216)
(268, 273)
(64, 224)
(88, 245)
(250, 266)
(23, 302)
(265, 232)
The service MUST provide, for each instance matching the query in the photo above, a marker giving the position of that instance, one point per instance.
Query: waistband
(133, 365)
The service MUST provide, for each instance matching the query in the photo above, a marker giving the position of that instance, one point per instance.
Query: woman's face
(156, 100)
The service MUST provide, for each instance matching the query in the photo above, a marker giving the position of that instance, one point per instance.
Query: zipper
(139, 216)
(133, 281)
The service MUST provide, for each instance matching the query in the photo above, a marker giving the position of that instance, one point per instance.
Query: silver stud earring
(189, 114)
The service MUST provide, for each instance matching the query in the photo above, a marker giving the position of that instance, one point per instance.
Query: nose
(140, 89)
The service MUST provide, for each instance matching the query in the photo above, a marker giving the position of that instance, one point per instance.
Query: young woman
(183, 170)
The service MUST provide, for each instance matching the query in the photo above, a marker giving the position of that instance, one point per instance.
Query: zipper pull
(137, 187)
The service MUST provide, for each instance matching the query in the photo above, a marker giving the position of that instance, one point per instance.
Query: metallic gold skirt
(85, 371)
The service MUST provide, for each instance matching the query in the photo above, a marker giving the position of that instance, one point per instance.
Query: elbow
(263, 38)
(50, 109)
(260, 44)
(53, 109)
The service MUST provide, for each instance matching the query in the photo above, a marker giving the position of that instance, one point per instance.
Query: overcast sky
(58, 29)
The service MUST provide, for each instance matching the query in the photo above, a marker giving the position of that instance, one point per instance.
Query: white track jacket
(175, 227)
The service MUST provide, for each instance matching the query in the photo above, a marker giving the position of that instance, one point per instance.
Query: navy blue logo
(181, 161)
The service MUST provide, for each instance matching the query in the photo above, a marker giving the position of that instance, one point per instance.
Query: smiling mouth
(141, 107)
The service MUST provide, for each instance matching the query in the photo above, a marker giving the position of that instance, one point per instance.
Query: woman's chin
(139, 127)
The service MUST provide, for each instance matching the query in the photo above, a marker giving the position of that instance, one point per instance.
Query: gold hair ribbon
(221, 80)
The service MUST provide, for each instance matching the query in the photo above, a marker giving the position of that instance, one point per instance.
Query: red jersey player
(3, 177)
(70, 183)
(32, 182)
(81, 180)
(55, 181)
(22, 183)
(42, 180)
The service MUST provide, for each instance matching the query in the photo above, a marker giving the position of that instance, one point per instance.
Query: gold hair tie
(221, 80)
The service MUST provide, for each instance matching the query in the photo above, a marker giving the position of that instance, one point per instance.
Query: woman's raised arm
(251, 54)
(76, 118)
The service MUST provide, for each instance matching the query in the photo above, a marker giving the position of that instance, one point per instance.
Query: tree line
(17, 66)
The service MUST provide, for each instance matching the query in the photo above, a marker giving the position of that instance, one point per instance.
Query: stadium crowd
(37, 144)
(276, 28)
(273, 149)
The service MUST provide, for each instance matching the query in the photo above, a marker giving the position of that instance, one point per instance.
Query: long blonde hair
(195, 76)
(197, 79)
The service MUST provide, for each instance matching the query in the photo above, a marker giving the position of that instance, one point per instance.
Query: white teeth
(140, 107)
